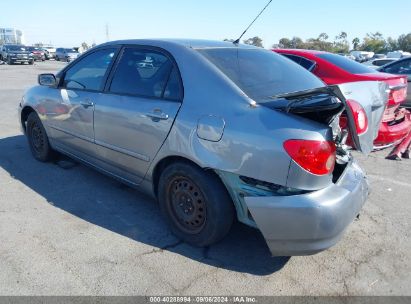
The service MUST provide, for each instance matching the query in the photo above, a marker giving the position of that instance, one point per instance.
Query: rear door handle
(157, 115)
(87, 103)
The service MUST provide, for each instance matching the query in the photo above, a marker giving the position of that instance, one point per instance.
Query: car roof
(301, 51)
(188, 43)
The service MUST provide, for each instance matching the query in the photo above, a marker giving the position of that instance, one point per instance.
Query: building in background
(11, 36)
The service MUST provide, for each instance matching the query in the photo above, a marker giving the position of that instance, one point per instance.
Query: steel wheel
(37, 137)
(187, 204)
(38, 140)
(195, 203)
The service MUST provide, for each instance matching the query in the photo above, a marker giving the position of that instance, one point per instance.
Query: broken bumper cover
(390, 134)
(309, 223)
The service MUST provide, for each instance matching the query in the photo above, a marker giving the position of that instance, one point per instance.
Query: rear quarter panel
(252, 142)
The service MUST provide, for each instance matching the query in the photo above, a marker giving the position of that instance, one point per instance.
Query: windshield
(260, 73)
(16, 48)
(346, 64)
(70, 51)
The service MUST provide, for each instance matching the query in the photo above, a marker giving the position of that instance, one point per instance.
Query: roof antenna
(238, 40)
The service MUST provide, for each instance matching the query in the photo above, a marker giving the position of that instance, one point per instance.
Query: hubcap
(187, 204)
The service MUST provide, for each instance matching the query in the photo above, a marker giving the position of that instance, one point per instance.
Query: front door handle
(87, 103)
(157, 115)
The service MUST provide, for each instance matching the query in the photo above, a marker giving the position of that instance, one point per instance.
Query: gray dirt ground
(68, 230)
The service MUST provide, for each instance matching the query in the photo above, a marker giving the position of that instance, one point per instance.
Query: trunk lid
(373, 97)
(325, 105)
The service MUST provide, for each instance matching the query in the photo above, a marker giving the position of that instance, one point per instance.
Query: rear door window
(146, 73)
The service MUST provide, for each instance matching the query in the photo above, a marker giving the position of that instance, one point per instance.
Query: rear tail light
(397, 96)
(315, 156)
(360, 117)
(398, 91)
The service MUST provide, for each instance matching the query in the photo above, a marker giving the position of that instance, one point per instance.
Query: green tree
(356, 43)
(404, 42)
(374, 42)
(341, 44)
(284, 43)
(391, 44)
(256, 41)
(320, 43)
(297, 43)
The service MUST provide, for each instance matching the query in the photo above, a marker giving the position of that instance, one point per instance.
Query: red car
(336, 69)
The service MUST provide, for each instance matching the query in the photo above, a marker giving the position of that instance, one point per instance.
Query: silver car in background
(66, 54)
(216, 132)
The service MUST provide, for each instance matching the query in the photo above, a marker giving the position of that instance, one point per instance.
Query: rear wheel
(195, 203)
(38, 140)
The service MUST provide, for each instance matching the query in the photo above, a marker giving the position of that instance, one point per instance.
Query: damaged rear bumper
(309, 223)
(392, 132)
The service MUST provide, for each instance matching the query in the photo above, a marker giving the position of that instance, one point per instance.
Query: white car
(398, 54)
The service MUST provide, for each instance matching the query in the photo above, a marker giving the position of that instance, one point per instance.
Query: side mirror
(48, 80)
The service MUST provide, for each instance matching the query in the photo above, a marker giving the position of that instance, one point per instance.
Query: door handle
(87, 103)
(157, 115)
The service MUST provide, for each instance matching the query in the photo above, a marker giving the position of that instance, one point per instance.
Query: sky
(69, 23)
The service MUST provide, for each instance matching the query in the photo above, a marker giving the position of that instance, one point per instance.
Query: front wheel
(195, 203)
(9, 61)
(38, 140)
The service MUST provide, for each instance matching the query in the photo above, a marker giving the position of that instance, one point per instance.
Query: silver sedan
(216, 132)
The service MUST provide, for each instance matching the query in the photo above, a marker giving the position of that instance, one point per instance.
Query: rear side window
(88, 73)
(346, 64)
(305, 63)
(403, 67)
(146, 73)
(381, 62)
(261, 74)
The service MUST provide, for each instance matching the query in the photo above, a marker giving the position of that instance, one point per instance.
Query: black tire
(195, 203)
(9, 61)
(38, 140)
(31, 62)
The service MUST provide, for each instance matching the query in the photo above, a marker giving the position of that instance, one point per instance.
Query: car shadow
(105, 202)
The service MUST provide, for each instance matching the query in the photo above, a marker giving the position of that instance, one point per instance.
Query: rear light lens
(399, 95)
(360, 117)
(315, 156)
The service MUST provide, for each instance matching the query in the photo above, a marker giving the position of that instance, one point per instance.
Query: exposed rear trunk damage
(311, 214)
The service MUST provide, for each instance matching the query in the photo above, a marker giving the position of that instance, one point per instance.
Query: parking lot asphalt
(68, 230)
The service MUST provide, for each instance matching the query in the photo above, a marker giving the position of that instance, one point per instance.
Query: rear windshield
(70, 50)
(346, 64)
(260, 73)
